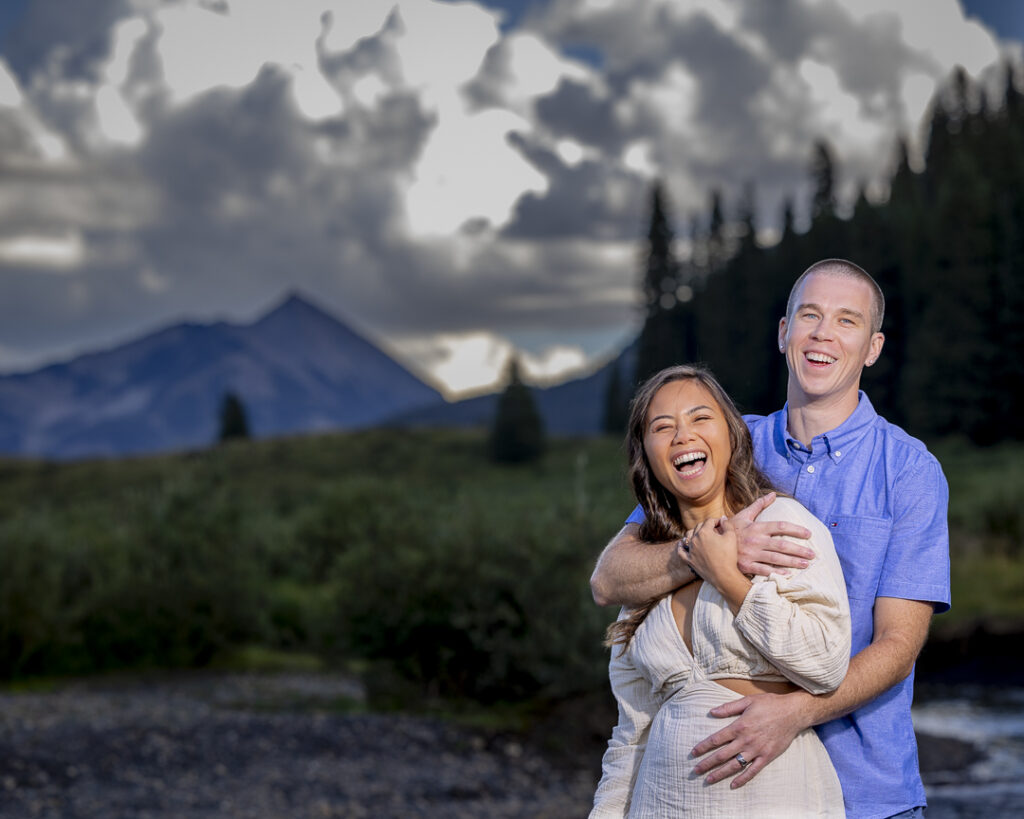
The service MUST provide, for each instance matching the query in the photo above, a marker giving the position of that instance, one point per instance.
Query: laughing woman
(720, 638)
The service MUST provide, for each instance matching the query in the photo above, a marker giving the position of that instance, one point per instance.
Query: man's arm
(766, 724)
(630, 571)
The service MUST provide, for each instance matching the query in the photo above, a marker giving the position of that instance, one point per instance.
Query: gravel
(253, 746)
(295, 745)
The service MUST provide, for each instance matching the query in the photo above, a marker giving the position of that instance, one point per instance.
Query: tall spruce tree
(823, 177)
(517, 434)
(663, 336)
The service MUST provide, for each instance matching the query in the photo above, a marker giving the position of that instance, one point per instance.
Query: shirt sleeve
(637, 515)
(637, 707)
(916, 563)
(801, 623)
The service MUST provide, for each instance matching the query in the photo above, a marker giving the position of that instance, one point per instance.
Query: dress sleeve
(621, 761)
(801, 623)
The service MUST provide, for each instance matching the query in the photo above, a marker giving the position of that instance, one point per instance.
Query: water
(993, 720)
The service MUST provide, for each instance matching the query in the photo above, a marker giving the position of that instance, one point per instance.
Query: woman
(720, 638)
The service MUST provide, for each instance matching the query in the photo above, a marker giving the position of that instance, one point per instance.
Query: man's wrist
(807, 708)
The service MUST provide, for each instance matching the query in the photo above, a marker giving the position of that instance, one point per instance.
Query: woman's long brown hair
(744, 482)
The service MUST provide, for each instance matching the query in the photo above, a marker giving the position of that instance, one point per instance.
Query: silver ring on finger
(742, 761)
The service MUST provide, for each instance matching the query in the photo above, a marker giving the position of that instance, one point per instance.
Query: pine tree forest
(946, 246)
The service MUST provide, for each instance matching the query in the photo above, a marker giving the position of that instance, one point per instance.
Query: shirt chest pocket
(861, 544)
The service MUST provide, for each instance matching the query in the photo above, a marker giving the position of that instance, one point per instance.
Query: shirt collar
(836, 443)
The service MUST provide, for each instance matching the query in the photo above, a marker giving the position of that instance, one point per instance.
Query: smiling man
(884, 499)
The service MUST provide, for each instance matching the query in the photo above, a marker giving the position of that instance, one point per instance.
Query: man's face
(828, 339)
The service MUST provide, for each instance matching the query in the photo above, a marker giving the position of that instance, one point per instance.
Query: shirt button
(839, 454)
(810, 468)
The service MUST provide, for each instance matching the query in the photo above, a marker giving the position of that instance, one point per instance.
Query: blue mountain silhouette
(296, 369)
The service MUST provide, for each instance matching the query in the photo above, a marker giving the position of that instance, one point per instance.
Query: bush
(486, 603)
(407, 549)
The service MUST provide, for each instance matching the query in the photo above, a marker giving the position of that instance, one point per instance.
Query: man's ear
(782, 335)
(874, 349)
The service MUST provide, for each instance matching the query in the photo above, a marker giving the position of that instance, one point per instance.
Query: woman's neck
(692, 514)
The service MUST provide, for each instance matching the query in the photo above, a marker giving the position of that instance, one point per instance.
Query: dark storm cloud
(253, 192)
(594, 200)
(577, 110)
(74, 32)
(562, 286)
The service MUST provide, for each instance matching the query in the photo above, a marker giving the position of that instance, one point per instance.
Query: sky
(457, 181)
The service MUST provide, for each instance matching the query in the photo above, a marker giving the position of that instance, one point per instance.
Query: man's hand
(766, 726)
(763, 547)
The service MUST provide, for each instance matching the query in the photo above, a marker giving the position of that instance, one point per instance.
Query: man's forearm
(888, 660)
(630, 572)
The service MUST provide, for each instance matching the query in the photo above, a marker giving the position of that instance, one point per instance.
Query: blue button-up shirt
(884, 499)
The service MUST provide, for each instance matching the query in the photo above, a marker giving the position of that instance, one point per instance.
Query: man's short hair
(847, 270)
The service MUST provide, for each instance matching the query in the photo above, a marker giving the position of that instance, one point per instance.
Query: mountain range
(296, 369)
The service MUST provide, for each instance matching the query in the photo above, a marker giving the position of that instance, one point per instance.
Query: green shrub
(474, 599)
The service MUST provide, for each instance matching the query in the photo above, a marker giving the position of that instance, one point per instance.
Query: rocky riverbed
(254, 746)
(291, 745)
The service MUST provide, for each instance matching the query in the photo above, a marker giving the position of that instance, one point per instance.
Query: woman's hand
(713, 553)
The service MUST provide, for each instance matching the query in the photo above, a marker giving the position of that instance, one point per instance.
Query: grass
(385, 548)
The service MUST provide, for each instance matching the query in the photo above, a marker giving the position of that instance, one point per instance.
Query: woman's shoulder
(791, 510)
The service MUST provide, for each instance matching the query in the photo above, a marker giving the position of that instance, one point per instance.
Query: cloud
(475, 362)
(451, 188)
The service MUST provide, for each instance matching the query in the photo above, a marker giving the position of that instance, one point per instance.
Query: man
(883, 498)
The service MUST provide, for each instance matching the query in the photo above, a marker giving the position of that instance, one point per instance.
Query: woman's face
(686, 439)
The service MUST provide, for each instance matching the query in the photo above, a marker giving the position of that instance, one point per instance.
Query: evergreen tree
(517, 434)
(234, 423)
(616, 403)
(947, 249)
(823, 202)
(668, 332)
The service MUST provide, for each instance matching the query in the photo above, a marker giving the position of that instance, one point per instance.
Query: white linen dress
(794, 628)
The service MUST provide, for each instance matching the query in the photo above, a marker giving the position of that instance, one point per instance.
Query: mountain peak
(296, 303)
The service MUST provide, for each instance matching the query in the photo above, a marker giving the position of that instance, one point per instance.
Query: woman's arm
(801, 623)
(621, 761)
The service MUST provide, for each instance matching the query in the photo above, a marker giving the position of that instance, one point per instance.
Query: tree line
(946, 246)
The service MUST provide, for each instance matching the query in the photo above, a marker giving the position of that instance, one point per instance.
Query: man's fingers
(746, 516)
(752, 770)
(716, 740)
(784, 528)
(764, 569)
(731, 708)
(784, 546)
(718, 764)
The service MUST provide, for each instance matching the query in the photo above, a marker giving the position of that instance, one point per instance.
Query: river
(992, 718)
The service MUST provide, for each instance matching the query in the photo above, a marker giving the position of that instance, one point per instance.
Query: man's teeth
(688, 458)
(821, 358)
